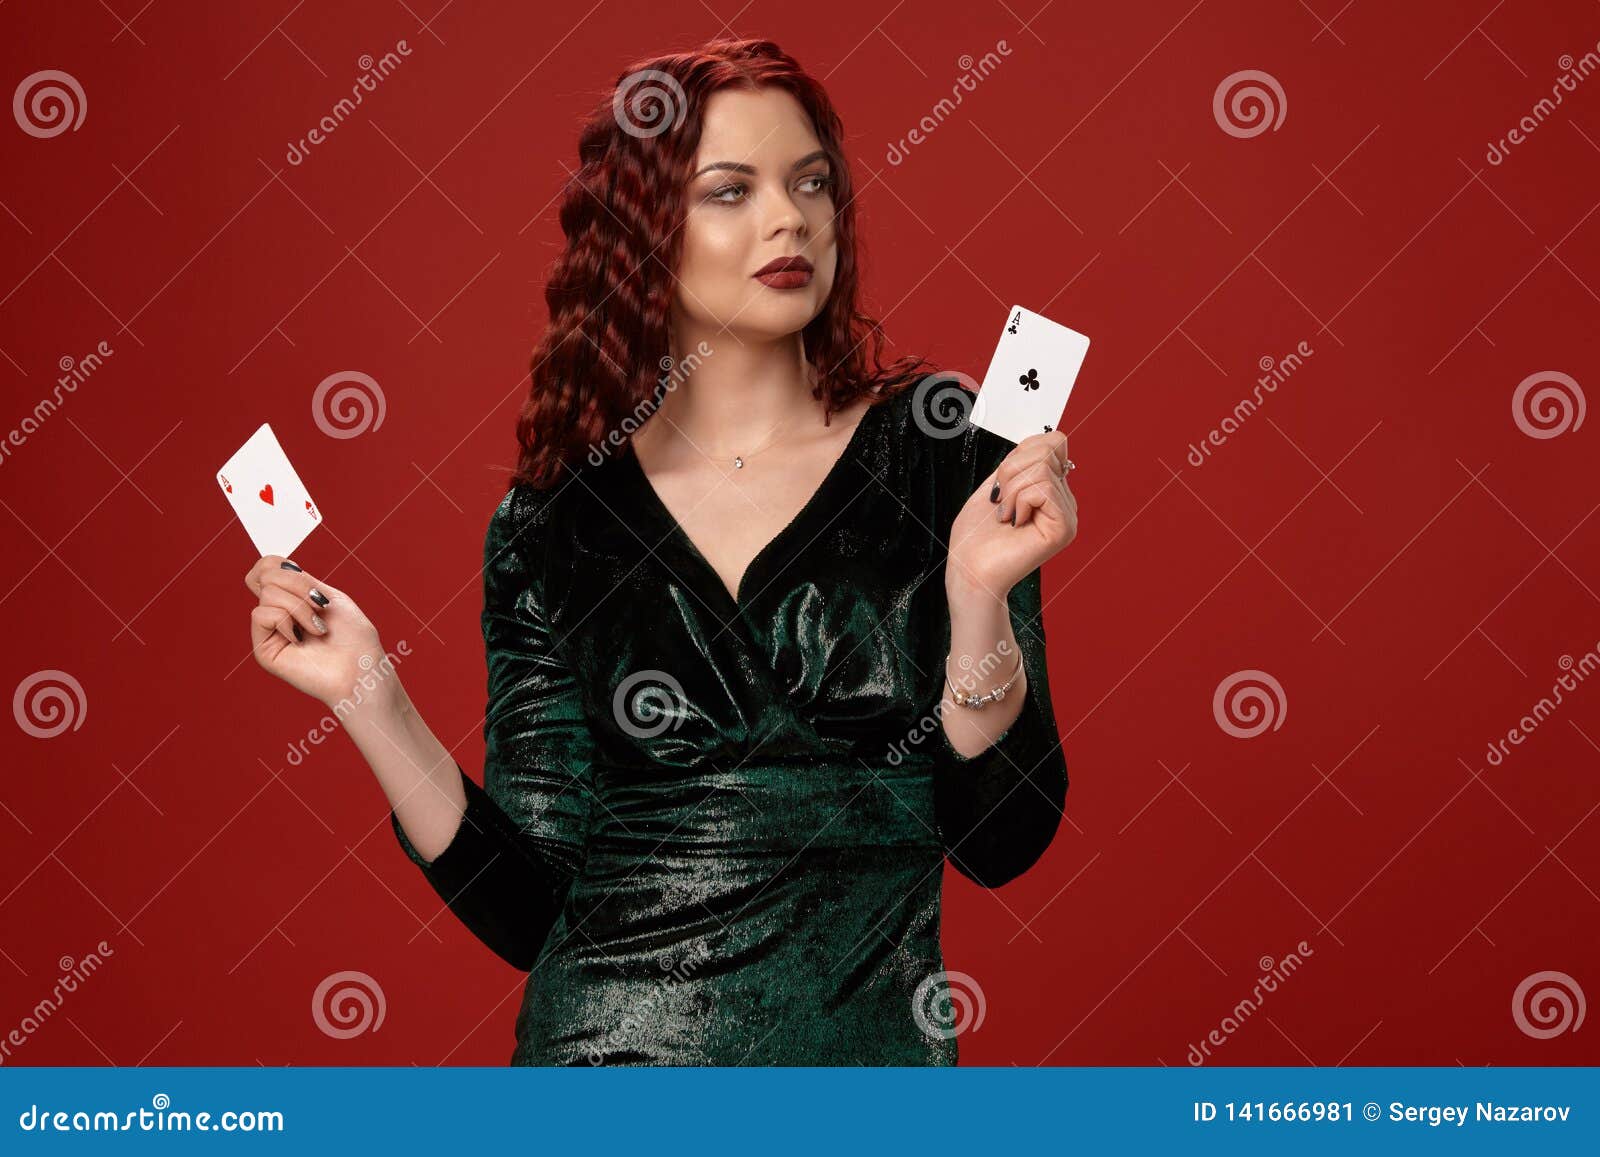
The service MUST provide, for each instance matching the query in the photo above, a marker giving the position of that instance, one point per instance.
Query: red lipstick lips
(785, 273)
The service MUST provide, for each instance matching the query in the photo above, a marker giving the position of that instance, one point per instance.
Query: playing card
(267, 494)
(1029, 377)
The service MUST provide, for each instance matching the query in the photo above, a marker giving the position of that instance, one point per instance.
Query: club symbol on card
(266, 494)
(1015, 318)
(226, 485)
(1030, 380)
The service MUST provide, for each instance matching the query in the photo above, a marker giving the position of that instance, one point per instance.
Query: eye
(826, 181)
(717, 193)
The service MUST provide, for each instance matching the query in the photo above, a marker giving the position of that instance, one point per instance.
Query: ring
(1068, 468)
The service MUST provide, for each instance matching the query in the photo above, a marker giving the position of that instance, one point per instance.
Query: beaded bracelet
(984, 700)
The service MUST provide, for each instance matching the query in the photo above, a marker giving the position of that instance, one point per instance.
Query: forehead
(767, 127)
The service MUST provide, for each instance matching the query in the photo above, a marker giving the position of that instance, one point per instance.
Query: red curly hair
(600, 361)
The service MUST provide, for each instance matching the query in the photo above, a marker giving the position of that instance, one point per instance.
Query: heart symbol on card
(266, 494)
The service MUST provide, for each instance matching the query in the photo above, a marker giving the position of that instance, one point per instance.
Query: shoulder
(521, 530)
(931, 419)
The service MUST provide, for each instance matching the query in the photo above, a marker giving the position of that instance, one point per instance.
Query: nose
(783, 214)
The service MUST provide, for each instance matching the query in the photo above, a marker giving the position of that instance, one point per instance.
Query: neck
(740, 392)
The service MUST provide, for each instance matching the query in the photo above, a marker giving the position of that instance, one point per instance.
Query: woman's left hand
(988, 555)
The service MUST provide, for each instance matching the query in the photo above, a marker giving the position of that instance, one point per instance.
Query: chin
(768, 320)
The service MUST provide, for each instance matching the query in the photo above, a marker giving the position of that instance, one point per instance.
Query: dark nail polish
(318, 597)
(1013, 518)
(287, 565)
(298, 637)
(994, 495)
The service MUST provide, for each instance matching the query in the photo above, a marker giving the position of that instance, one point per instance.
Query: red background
(1381, 537)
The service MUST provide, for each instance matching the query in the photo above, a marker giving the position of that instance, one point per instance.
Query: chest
(731, 514)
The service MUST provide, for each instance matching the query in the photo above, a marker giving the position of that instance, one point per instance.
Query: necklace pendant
(738, 463)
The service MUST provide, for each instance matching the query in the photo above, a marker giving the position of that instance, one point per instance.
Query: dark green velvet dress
(713, 828)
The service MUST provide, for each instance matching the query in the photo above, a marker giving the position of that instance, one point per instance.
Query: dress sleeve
(999, 810)
(523, 836)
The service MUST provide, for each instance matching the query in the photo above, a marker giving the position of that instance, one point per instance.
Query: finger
(265, 641)
(1038, 496)
(263, 566)
(1051, 445)
(1017, 480)
(299, 609)
(280, 622)
(1047, 450)
(317, 592)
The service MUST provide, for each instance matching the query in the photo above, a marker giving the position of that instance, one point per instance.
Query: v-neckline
(808, 510)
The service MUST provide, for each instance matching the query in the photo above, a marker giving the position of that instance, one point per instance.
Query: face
(761, 189)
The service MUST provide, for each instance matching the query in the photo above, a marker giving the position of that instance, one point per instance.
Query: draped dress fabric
(712, 828)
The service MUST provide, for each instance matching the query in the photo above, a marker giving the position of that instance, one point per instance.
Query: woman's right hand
(336, 645)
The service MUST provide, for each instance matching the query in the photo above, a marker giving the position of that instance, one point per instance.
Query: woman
(725, 761)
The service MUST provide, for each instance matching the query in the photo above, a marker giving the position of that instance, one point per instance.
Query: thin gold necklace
(739, 459)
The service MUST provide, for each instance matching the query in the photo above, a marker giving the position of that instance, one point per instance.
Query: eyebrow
(737, 167)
